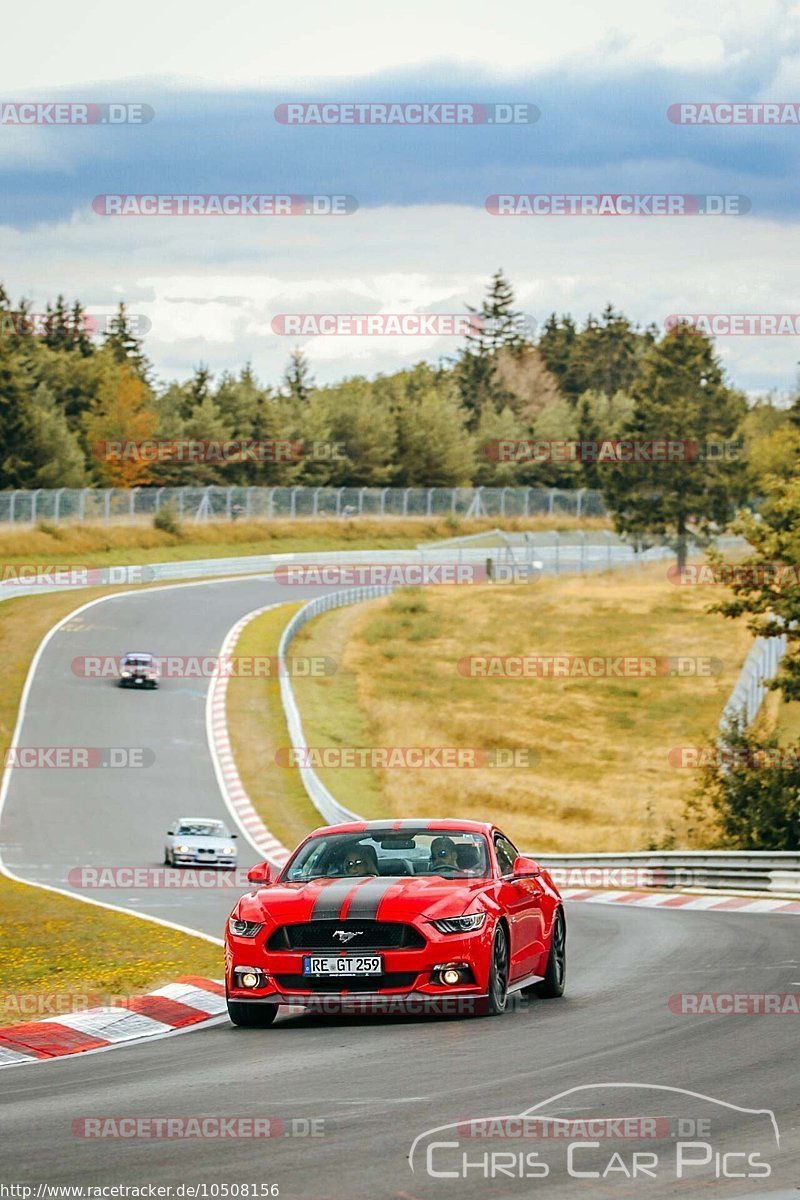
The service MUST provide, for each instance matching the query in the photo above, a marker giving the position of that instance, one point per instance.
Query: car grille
(354, 983)
(372, 935)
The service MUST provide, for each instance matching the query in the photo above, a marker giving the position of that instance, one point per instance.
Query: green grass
(115, 545)
(258, 730)
(331, 712)
(101, 954)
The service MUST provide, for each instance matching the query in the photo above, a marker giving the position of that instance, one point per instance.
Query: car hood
(209, 842)
(385, 898)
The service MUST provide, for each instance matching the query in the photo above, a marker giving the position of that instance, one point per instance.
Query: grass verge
(101, 954)
(601, 778)
(257, 729)
(115, 545)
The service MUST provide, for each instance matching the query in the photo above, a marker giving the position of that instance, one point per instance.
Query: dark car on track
(410, 912)
(138, 670)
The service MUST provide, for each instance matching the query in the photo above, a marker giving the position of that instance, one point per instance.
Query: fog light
(249, 979)
(451, 976)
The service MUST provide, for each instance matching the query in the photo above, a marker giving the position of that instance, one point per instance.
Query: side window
(506, 853)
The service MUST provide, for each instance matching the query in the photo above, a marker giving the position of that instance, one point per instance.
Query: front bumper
(410, 977)
(205, 860)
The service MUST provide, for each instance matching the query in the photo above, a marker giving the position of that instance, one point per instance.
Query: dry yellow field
(600, 778)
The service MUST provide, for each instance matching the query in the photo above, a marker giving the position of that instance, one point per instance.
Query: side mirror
(260, 873)
(526, 868)
(234, 835)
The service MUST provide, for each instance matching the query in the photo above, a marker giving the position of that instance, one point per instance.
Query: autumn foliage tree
(120, 418)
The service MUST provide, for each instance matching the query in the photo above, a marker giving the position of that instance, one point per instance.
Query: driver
(443, 853)
(360, 860)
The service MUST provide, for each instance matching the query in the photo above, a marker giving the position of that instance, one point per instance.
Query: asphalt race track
(376, 1083)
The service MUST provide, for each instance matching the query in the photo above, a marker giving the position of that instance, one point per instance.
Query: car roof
(200, 820)
(137, 654)
(392, 825)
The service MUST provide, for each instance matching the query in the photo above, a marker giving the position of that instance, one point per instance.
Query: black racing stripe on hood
(329, 902)
(367, 899)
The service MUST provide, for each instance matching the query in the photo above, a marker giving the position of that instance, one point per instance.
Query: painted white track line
(228, 778)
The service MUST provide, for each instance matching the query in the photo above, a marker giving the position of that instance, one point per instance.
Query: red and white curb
(227, 774)
(684, 900)
(189, 1001)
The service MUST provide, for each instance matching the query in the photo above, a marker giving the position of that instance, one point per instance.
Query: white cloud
(211, 287)
(51, 44)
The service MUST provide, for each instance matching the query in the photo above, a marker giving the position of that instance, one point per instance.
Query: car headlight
(180, 848)
(228, 850)
(460, 924)
(244, 928)
(126, 674)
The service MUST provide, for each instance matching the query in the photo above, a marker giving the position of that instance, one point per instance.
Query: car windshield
(138, 660)
(451, 854)
(202, 829)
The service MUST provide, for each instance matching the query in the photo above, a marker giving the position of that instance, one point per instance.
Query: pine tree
(297, 382)
(679, 397)
(15, 387)
(497, 328)
(125, 345)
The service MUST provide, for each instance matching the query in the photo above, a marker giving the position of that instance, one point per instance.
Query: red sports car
(414, 915)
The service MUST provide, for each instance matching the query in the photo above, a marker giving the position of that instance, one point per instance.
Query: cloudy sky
(602, 76)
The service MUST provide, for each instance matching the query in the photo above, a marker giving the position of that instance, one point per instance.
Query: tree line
(63, 393)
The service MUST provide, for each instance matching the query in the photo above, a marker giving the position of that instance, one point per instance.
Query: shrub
(167, 520)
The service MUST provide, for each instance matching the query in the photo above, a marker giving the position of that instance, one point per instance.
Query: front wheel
(251, 1016)
(497, 999)
(555, 976)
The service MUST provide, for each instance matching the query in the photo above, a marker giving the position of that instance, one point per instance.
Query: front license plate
(370, 965)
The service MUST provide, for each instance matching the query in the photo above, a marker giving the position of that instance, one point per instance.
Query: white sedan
(199, 841)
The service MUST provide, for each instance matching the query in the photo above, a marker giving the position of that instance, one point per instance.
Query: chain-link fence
(120, 505)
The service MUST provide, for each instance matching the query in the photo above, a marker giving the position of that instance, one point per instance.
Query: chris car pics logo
(650, 1134)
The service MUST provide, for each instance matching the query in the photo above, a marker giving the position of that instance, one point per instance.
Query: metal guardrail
(750, 690)
(726, 870)
(324, 801)
(268, 503)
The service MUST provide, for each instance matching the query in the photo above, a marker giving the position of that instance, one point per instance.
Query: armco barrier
(729, 870)
(750, 689)
(324, 801)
